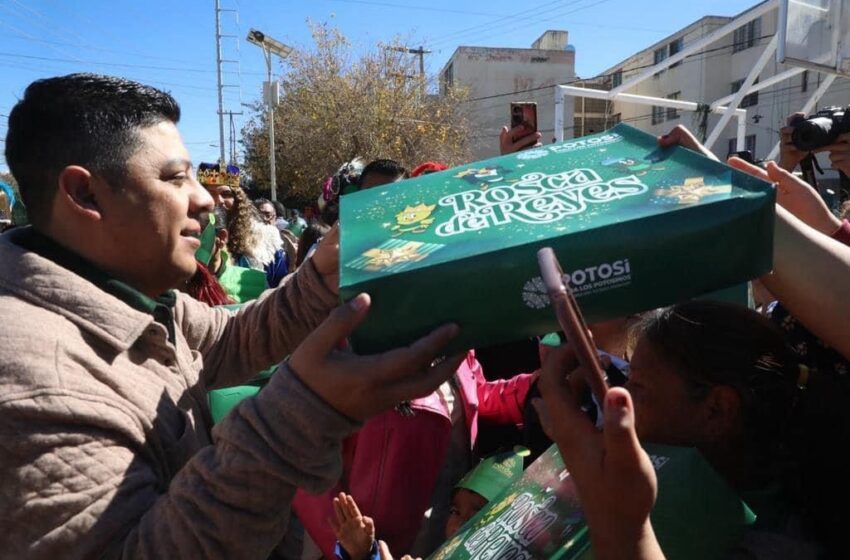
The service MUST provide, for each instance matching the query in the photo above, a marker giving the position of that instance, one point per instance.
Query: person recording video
(825, 131)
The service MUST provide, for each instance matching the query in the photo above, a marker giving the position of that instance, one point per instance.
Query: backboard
(815, 34)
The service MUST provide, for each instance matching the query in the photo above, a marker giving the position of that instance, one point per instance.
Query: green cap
(204, 253)
(495, 473)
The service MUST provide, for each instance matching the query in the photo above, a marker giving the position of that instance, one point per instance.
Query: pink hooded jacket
(391, 466)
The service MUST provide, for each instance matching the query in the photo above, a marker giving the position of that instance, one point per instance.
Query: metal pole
(559, 114)
(269, 100)
(741, 141)
(421, 53)
(739, 96)
(220, 87)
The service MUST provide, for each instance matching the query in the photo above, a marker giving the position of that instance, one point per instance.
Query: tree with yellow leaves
(333, 109)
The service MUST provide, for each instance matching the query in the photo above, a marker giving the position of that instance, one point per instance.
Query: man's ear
(78, 191)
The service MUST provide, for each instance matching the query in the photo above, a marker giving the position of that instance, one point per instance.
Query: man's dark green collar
(160, 308)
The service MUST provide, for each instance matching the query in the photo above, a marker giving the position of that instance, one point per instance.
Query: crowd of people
(142, 284)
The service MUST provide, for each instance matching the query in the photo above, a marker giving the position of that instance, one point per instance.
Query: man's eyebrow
(179, 162)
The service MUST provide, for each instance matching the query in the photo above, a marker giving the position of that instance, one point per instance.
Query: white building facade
(714, 73)
(495, 77)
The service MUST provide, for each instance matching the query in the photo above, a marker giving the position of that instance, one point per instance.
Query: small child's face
(465, 504)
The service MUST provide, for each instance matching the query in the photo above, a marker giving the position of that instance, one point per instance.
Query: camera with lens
(821, 129)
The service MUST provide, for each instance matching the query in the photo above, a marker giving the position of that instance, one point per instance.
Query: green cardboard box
(696, 516)
(635, 227)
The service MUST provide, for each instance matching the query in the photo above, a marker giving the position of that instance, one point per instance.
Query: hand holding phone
(524, 118)
(572, 322)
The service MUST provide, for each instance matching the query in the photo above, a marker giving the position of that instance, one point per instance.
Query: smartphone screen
(524, 114)
(572, 322)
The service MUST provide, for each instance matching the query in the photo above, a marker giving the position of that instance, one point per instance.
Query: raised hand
(839, 154)
(681, 136)
(354, 531)
(789, 156)
(795, 195)
(613, 475)
(512, 140)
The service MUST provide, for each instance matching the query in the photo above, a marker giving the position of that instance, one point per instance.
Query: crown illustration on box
(211, 175)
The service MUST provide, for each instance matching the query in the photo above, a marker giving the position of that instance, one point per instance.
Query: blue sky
(171, 44)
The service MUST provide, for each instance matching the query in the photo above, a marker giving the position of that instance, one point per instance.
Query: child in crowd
(721, 378)
(355, 532)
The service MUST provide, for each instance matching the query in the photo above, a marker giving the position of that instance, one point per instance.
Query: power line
(423, 8)
(513, 17)
(536, 22)
(117, 64)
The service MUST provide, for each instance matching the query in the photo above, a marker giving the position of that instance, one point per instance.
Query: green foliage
(333, 109)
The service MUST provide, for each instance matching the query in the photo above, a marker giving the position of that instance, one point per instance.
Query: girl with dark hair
(721, 378)
(345, 180)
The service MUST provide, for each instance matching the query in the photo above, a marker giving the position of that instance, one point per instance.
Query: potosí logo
(600, 273)
(594, 142)
(584, 281)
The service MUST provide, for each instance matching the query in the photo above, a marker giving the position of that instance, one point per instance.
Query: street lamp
(270, 89)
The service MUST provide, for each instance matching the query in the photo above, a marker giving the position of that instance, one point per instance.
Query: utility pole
(420, 52)
(220, 84)
(220, 62)
(231, 137)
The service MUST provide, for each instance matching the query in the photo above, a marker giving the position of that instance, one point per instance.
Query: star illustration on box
(478, 175)
(632, 165)
(393, 255)
(692, 191)
(413, 219)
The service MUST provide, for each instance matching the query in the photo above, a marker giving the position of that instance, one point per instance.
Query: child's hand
(354, 531)
(384, 553)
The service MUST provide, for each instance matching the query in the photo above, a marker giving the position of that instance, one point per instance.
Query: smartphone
(524, 114)
(745, 155)
(572, 322)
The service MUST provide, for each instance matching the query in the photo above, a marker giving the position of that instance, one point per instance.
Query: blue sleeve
(341, 554)
(277, 269)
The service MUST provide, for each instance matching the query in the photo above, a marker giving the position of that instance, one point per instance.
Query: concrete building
(592, 115)
(716, 72)
(495, 77)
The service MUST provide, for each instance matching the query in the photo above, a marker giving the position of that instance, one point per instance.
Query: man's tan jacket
(105, 444)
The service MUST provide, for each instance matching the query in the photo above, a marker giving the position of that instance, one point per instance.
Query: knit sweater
(105, 443)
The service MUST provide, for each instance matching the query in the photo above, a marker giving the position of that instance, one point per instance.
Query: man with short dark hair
(267, 211)
(381, 172)
(105, 442)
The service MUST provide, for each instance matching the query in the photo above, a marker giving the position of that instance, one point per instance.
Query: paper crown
(211, 175)
(495, 473)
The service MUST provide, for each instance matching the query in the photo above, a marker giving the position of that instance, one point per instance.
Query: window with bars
(748, 100)
(746, 36)
(657, 115)
(676, 47)
(672, 113)
(617, 78)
